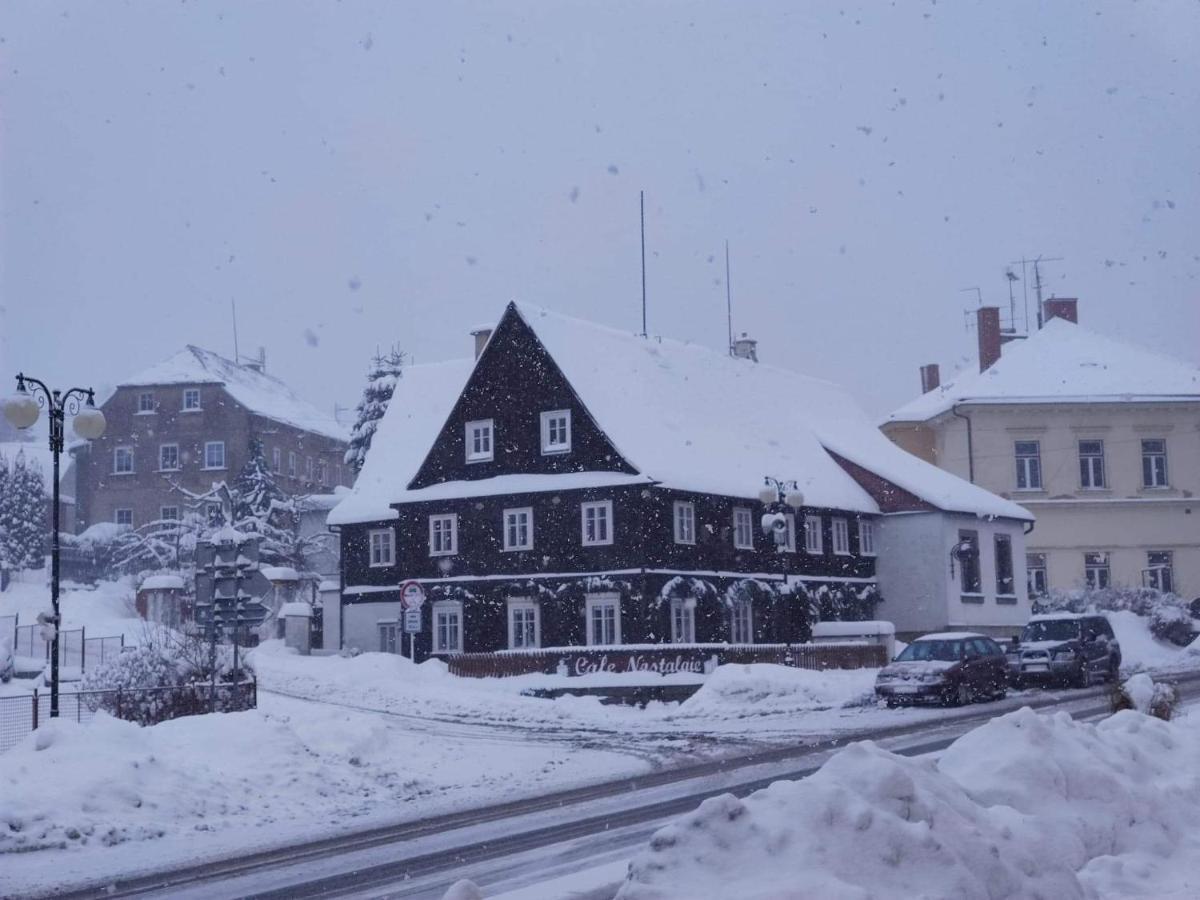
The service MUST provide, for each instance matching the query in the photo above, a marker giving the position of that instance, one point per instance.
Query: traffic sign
(412, 621)
(412, 595)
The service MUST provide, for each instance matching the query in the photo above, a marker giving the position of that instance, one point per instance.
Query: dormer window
(556, 431)
(479, 441)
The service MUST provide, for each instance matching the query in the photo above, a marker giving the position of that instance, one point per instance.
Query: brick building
(189, 422)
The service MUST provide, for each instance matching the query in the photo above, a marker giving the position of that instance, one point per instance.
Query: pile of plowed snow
(1025, 806)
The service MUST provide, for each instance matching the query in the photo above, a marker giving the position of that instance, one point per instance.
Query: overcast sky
(356, 174)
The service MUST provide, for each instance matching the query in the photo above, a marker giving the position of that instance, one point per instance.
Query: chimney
(931, 377)
(481, 336)
(1062, 308)
(745, 347)
(259, 364)
(987, 327)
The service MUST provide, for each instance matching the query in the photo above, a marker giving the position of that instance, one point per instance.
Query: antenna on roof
(233, 306)
(1037, 282)
(1012, 302)
(642, 209)
(728, 299)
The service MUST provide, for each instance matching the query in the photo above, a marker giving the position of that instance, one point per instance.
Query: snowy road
(529, 846)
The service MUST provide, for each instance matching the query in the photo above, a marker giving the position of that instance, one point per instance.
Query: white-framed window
(1035, 574)
(741, 623)
(603, 613)
(168, 457)
(556, 431)
(122, 460)
(813, 540)
(322, 473)
(123, 517)
(443, 534)
(308, 469)
(1006, 583)
(866, 537)
(383, 552)
(518, 529)
(291, 464)
(790, 519)
(1154, 463)
(1159, 573)
(480, 437)
(191, 399)
(968, 563)
(1096, 573)
(276, 460)
(1029, 465)
(146, 403)
(168, 513)
(214, 454)
(391, 638)
(524, 624)
(596, 520)
(685, 522)
(1091, 465)
(841, 537)
(683, 621)
(447, 626)
(743, 528)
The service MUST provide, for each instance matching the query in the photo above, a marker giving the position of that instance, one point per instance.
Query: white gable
(1063, 363)
(258, 392)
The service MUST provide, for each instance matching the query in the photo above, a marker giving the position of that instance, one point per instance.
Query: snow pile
(1024, 806)
(1142, 650)
(762, 689)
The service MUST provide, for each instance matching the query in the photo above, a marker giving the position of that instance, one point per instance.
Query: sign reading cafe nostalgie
(696, 662)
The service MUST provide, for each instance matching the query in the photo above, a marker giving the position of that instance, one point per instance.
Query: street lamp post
(780, 498)
(21, 410)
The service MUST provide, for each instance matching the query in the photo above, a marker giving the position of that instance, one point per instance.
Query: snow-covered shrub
(1144, 694)
(7, 659)
(1169, 616)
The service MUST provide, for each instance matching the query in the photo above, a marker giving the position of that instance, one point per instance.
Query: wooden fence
(665, 659)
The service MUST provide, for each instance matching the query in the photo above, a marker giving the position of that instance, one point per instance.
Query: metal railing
(75, 648)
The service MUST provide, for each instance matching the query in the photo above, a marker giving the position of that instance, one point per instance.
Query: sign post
(412, 598)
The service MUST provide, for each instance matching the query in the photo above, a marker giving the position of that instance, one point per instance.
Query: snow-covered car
(1071, 648)
(950, 667)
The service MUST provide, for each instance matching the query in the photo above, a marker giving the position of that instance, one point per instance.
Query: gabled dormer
(517, 414)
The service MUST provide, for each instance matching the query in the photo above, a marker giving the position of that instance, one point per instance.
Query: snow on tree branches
(381, 383)
(22, 513)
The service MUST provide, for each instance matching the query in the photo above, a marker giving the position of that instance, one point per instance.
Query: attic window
(191, 398)
(556, 431)
(146, 402)
(479, 441)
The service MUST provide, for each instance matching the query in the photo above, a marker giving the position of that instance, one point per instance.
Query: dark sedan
(954, 667)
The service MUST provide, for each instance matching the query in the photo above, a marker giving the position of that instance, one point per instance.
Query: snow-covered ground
(1026, 805)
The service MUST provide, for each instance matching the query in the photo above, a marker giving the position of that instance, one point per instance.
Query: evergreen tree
(381, 383)
(261, 508)
(3, 494)
(23, 515)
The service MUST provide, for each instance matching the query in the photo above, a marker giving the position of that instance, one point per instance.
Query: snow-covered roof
(279, 573)
(257, 391)
(842, 629)
(1063, 363)
(296, 608)
(163, 583)
(682, 415)
(422, 400)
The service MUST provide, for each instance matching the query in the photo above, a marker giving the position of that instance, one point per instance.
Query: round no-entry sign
(412, 595)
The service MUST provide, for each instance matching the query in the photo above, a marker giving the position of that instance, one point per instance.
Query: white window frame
(190, 394)
(117, 455)
(452, 549)
(1028, 466)
(594, 600)
(524, 604)
(445, 608)
(743, 528)
(276, 461)
(486, 426)
(1092, 571)
(178, 464)
(814, 538)
(376, 542)
(1153, 574)
(684, 519)
(866, 538)
(117, 516)
(604, 516)
(515, 513)
(308, 469)
(1032, 570)
(1093, 465)
(291, 464)
(839, 532)
(548, 419)
(683, 621)
(144, 409)
(790, 519)
(741, 618)
(162, 513)
(1149, 456)
(322, 473)
(224, 462)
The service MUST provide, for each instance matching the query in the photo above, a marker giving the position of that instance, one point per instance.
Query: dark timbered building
(576, 485)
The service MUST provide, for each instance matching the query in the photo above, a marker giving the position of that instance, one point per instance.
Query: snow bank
(1142, 650)
(763, 688)
(1024, 806)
